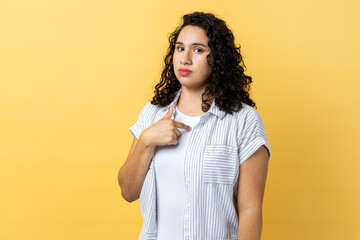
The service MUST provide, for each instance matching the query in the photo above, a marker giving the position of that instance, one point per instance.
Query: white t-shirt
(170, 183)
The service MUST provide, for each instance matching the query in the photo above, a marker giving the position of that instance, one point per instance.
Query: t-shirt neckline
(183, 116)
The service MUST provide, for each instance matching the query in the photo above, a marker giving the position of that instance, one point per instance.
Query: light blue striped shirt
(218, 145)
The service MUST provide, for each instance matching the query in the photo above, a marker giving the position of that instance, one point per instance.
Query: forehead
(191, 34)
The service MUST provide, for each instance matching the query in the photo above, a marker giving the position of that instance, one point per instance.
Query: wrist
(145, 141)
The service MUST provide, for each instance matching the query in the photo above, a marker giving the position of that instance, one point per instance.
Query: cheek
(174, 57)
(205, 66)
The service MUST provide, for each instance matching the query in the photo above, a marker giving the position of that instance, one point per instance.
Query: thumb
(169, 113)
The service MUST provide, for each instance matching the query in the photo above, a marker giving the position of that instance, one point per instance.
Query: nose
(185, 58)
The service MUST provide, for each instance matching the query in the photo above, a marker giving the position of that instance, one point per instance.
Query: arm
(132, 174)
(251, 187)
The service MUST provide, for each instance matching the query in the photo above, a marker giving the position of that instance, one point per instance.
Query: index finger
(182, 125)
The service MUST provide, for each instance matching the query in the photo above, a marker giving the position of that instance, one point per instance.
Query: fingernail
(189, 128)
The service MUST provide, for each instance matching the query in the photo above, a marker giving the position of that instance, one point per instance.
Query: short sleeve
(141, 122)
(252, 136)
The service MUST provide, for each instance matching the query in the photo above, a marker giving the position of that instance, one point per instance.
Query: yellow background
(75, 75)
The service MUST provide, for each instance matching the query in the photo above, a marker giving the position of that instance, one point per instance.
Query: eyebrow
(196, 44)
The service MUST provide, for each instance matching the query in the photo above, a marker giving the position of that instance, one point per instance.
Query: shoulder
(248, 120)
(246, 113)
(148, 107)
(151, 112)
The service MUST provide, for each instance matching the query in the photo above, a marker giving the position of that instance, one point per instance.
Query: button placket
(189, 154)
(197, 131)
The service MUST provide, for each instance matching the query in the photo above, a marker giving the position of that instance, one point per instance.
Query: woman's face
(189, 59)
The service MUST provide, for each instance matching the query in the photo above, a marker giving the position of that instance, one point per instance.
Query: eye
(179, 48)
(200, 50)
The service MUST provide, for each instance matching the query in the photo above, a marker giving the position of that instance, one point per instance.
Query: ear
(210, 59)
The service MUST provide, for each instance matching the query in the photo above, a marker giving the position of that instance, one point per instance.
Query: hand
(163, 132)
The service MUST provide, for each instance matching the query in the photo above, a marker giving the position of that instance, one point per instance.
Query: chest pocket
(220, 163)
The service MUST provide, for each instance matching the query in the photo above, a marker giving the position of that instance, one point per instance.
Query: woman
(199, 158)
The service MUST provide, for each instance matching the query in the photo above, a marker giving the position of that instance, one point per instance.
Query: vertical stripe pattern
(219, 144)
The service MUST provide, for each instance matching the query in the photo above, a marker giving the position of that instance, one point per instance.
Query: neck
(190, 101)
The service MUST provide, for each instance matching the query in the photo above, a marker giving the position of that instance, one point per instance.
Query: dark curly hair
(227, 84)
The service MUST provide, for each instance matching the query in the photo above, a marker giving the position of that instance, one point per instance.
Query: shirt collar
(213, 108)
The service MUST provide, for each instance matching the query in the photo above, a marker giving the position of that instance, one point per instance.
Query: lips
(184, 71)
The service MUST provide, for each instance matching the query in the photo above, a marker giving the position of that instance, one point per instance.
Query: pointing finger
(182, 125)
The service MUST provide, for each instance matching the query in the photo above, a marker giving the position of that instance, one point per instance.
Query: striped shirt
(218, 145)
